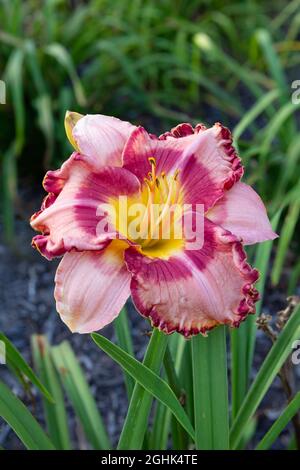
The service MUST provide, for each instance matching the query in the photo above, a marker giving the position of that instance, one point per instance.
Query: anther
(152, 161)
(176, 175)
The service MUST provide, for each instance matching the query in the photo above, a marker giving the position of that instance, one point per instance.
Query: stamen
(177, 186)
(162, 188)
(144, 226)
(167, 204)
(152, 161)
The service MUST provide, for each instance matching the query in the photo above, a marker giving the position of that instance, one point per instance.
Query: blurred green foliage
(156, 63)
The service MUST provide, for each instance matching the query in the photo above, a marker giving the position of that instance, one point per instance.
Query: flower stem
(136, 422)
(211, 390)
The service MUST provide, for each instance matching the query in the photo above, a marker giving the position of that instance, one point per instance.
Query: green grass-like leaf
(279, 425)
(19, 418)
(268, 371)
(56, 416)
(149, 380)
(211, 390)
(80, 395)
(18, 364)
(121, 325)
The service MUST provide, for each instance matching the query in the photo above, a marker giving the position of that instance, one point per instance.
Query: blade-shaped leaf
(124, 339)
(287, 232)
(18, 363)
(80, 395)
(211, 390)
(147, 379)
(56, 416)
(267, 373)
(136, 422)
(14, 78)
(280, 423)
(63, 57)
(243, 338)
(19, 418)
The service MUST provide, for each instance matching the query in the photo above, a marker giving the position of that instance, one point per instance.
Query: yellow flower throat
(151, 218)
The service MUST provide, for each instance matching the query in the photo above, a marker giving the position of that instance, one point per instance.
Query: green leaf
(162, 414)
(124, 340)
(259, 106)
(186, 378)
(239, 369)
(294, 279)
(268, 371)
(249, 77)
(211, 390)
(149, 380)
(60, 53)
(287, 231)
(9, 178)
(136, 421)
(179, 435)
(280, 423)
(14, 77)
(161, 427)
(19, 418)
(42, 101)
(56, 416)
(243, 338)
(80, 395)
(18, 363)
(271, 131)
(289, 9)
(272, 59)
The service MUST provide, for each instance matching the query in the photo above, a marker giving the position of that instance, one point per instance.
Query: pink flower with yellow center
(178, 289)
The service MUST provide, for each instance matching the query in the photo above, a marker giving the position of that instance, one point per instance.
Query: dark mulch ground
(27, 307)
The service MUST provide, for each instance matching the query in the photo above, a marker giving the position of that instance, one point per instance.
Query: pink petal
(91, 288)
(206, 159)
(141, 146)
(69, 220)
(209, 166)
(102, 138)
(194, 291)
(242, 212)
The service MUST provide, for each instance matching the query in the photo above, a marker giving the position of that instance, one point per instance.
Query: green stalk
(162, 415)
(122, 330)
(136, 422)
(239, 373)
(171, 373)
(179, 435)
(211, 390)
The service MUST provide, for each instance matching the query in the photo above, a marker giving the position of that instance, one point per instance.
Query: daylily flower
(189, 291)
